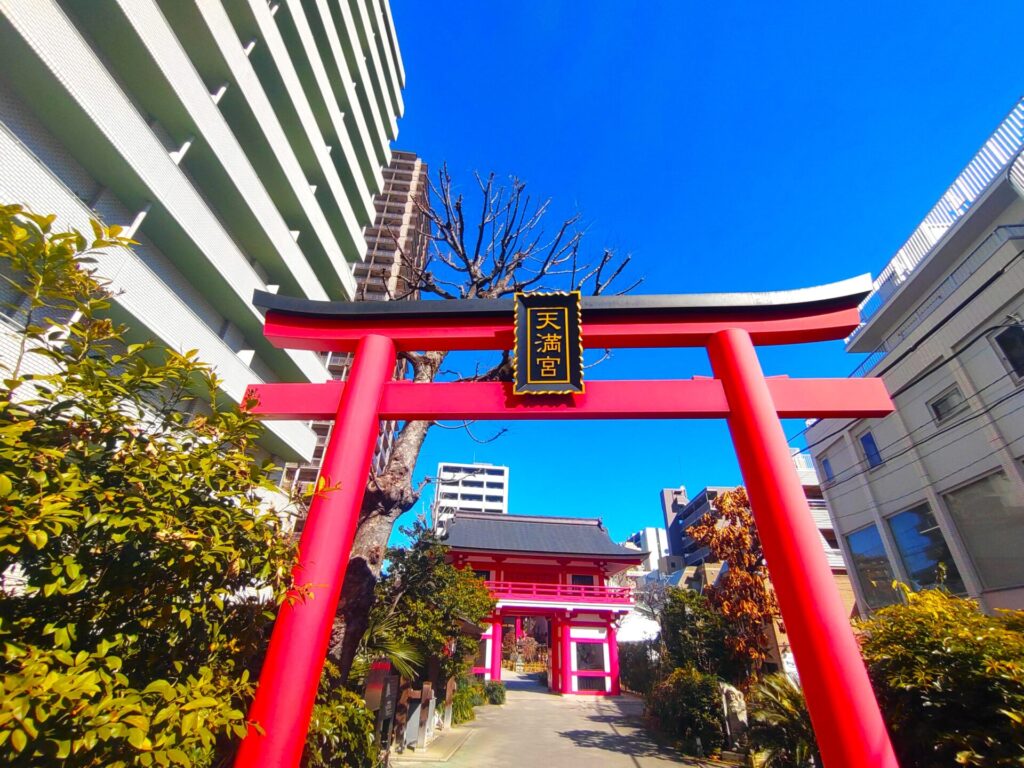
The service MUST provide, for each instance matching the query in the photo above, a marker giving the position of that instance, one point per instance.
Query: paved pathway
(538, 728)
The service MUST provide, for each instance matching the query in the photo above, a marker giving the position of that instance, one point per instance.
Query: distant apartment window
(472, 497)
(870, 448)
(949, 403)
(473, 484)
(1011, 345)
(493, 498)
(989, 517)
(495, 485)
(495, 472)
(581, 580)
(870, 563)
(826, 469)
(923, 549)
(449, 495)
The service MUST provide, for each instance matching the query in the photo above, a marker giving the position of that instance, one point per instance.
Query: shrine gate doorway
(846, 719)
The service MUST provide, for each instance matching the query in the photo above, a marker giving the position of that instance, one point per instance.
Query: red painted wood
(847, 722)
(638, 331)
(683, 399)
(298, 645)
(556, 593)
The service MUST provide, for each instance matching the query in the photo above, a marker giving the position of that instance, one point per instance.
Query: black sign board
(548, 354)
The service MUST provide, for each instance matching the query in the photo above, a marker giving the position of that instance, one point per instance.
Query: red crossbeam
(685, 399)
(688, 329)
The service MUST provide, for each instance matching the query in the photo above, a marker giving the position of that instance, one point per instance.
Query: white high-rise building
(469, 488)
(240, 143)
(653, 541)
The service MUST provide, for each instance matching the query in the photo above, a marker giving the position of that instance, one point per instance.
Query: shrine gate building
(554, 571)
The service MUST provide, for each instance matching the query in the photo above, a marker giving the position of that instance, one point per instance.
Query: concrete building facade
(653, 541)
(396, 244)
(935, 490)
(240, 144)
(469, 488)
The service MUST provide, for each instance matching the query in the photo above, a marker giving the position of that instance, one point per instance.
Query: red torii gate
(845, 715)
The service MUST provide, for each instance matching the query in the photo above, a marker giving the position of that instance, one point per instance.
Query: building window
(874, 574)
(582, 580)
(1010, 343)
(485, 575)
(870, 448)
(589, 657)
(989, 517)
(949, 403)
(923, 549)
(493, 498)
(826, 470)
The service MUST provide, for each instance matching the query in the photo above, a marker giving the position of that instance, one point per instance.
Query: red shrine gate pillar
(847, 722)
(295, 658)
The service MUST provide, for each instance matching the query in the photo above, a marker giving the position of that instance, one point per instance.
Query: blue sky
(726, 146)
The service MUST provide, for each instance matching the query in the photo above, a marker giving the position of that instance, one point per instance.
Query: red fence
(524, 590)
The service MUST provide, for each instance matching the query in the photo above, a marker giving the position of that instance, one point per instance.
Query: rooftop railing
(523, 590)
(982, 253)
(992, 159)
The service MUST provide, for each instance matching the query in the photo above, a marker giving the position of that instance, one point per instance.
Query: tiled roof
(531, 533)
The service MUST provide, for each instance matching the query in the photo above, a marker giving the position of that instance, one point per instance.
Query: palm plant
(382, 639)
(780, 724)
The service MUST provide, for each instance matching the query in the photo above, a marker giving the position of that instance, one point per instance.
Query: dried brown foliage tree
(486, 251)
(743, 594)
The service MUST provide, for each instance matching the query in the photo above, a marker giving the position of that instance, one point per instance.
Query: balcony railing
(1002, 147)
(523, 590)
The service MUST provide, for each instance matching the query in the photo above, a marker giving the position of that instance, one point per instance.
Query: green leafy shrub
(687, 706)
(425, 601)
(780, 726)
(494, 692)
(641, 665)
(341, 730)
(462, 703)
(949, 679)
(139, 563)
(476, 693)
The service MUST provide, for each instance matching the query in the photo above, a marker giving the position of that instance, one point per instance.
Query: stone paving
(538, 728)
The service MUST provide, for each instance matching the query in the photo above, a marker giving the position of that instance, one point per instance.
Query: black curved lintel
(845, 294)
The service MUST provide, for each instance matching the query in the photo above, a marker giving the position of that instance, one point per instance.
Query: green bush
(476, 693)
(133, 538)
(950, 680)
(780, 725)
(688, 706)
(494, 692)
(462, 703)
(341, 733)
(641, 665)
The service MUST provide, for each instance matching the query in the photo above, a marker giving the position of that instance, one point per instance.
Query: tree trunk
(388, 496)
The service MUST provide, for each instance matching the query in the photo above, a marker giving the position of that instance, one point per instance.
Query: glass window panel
(581, 580)
(1011, 344)
(922, 548)
(990, 519)
(826, 468)
(589, 657)
(948, 404)
(871, 454)
(874, 574)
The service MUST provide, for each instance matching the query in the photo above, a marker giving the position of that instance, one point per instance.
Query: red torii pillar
(845, 715)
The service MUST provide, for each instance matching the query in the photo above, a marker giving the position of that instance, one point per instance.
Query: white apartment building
(938, 485)
(469, 488)
(240, 143)
(653, 541)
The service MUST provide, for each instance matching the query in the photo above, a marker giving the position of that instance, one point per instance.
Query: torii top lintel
(686, 320)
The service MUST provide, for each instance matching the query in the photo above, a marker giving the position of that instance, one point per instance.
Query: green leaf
(202, 701)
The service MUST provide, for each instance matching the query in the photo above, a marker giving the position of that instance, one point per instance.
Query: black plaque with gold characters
(548, 354)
